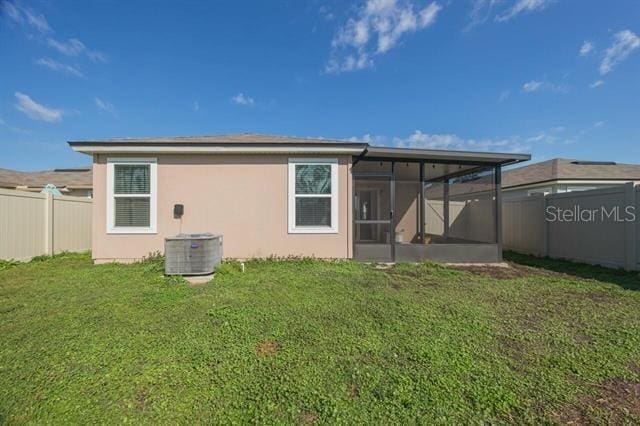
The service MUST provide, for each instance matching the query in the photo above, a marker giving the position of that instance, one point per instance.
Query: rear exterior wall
(243, 197)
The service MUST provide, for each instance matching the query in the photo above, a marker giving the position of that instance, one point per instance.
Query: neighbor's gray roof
(80, 177)
(567, 169)
(253, 139)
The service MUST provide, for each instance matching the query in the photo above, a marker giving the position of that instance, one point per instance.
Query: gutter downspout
(361, 156)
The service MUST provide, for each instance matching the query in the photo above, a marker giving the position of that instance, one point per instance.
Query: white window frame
(153, 187)
(293, 229)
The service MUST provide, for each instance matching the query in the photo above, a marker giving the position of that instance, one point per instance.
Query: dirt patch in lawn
(618, 401)
(600, 297)
(500, 272)
(141, 400)
(267, 348)
(354, 392)
(519, 352)
(515, 352)
(525, 331)
(512, 270)
(534, 316)
(400, 277)
(308, 418)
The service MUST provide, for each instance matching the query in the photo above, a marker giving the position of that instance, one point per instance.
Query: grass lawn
(318, 342)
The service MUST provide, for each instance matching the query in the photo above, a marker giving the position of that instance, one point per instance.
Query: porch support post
(445, 208)
(392, 213)
(421, 205)
(498, 198)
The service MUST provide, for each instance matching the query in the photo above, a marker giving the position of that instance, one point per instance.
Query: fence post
(630, 243)
(49, 224)
(445, 208)
(497, 175)
(545, 226)
(636, 212)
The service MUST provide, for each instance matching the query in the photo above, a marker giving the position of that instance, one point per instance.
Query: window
(313, 195)
(131, 195)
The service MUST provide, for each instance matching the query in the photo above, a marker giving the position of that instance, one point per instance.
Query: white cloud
(596, 83)
(349, 63)
(523, 6)
(242, 99)
(71, 47)
(96, 56)
(59, 67)
(30, 19)
(450, 141)
(586, 48)
(598, 124)
(536, 86)
(480, 12)
(532, 86)
(548, 137)
(624, 42)
(326, 13)
(368, 138)
(74, 47)
(104, 106)
(13, 128)
(38, 22)
(196, 106)
(377, 28)
(37, 111)
(537, 138)
(418, 139)
(9, 9)
(22, 15)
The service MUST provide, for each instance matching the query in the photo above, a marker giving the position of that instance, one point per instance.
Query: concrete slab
(198, 279)
(492, 264)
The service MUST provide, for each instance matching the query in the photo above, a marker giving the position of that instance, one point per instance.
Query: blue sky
(554, 78)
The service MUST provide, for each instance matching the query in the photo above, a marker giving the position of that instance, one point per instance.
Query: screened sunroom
(413, 205)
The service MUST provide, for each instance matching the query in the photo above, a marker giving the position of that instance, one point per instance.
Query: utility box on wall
(178, 211)
(192, 254)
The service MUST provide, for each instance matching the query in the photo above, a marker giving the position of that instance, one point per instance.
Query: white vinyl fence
(33, 224)
(599, 226)
(469, 220)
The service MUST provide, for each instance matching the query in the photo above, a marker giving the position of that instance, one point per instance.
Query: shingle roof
(261, 144)
(238, 138)
(70, 178)
(567, 169)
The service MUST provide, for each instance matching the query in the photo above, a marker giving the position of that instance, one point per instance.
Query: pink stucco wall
(243, 197)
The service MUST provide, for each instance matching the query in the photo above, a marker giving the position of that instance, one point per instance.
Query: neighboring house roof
(71, 178)
(259, 144)
(567, 169)
(9, 178)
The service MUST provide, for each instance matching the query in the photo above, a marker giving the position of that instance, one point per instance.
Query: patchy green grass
(306, 341)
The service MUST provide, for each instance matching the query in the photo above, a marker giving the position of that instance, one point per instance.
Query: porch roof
(442, 156)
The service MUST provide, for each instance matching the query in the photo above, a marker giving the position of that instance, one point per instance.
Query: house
(69, 181)
(288, 196)
(565, 175)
